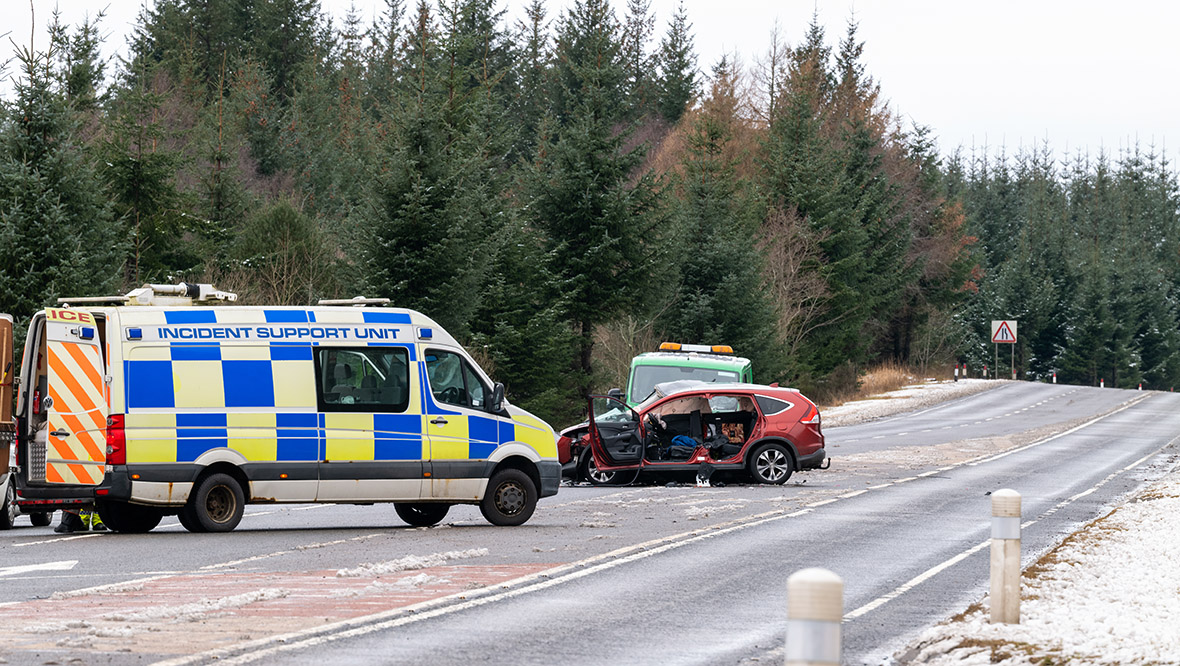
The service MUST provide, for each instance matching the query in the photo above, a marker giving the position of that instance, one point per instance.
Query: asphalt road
(649, 574)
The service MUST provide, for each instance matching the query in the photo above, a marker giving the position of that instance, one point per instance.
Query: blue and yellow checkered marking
(211, 377)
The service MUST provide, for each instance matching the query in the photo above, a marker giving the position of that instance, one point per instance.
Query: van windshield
(645, 377)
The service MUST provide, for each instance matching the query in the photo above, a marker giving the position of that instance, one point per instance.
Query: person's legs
(70, 522)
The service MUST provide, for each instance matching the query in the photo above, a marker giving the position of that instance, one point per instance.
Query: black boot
(70, 522)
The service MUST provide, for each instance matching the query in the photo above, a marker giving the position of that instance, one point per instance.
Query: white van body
(138, 407)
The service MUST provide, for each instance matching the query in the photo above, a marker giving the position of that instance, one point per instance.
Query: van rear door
(77, 409)
(7, 372)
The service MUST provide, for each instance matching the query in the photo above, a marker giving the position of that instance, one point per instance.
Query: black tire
(510, 499)
(41, 518)
(771, 464)
(589, 471)
(422, 514)
(187, 521)
(128, 518)
(217, 503)
(9, 511)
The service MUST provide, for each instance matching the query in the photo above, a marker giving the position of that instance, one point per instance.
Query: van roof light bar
(356, 301)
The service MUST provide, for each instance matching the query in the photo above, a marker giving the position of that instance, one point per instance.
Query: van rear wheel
(10, 510)
(128, 518)
(217, 504)
(41, 518)
(187, 520)
(510, 499)
(422, 514)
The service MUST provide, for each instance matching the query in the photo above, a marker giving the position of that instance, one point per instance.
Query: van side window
(364, 379)
(453, 381)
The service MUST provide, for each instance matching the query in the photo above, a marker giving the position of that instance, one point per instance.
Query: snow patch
(400, 585)
(114, 588)
(410, 562)
(1110, 595)
(198, 610)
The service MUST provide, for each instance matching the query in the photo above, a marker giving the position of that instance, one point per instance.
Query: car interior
(721, 424)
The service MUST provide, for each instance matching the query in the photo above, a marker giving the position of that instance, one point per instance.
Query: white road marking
(64, 565)
(933, 571)
(274, 645)
(56, 540)
(914, 582)
(1050, 438)
(506, 590)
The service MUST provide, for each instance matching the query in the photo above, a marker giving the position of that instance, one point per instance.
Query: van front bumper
(550, 471)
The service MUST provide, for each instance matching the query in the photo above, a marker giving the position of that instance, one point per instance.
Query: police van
(158, 403)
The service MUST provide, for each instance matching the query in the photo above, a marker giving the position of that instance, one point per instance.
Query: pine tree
(58, 229)
(677, 65)
(139, 169)
(599, 221)
(720, 299)
(638, 63)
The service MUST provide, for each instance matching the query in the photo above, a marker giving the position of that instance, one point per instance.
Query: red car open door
(616, 434)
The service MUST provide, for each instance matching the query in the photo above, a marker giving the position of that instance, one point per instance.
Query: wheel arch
(521, 463)
(229, 468)
(775, 440)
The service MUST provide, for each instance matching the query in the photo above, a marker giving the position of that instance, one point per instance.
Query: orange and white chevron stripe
(78, 418)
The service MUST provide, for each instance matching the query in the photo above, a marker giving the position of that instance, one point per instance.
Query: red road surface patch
(192, 613)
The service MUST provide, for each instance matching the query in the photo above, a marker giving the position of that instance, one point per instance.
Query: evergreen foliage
(57, 226)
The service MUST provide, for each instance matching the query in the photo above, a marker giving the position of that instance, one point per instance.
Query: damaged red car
(765, 432)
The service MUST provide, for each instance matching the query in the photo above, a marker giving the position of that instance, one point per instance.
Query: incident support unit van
(148, 405)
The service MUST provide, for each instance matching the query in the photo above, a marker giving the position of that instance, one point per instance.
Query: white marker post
(815, 607)
(1005, 569)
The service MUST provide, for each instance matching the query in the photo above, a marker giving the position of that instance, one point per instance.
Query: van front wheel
(217, 504)
(421, 514)
(510, 499)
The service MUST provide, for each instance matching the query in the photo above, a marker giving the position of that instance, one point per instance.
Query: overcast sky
(1083, 74)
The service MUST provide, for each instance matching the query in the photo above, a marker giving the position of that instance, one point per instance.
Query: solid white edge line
(931, 572)
(507, 589)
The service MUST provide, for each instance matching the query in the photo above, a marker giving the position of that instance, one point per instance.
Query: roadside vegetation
(565, 191)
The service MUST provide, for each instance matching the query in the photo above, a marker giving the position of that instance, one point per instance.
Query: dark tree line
(564, 192)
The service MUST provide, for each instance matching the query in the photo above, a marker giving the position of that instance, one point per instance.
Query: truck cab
(675, 361)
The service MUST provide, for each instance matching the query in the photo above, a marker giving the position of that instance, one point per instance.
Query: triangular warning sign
(1004, 333)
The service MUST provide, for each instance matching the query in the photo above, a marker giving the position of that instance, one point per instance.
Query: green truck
(674, 361)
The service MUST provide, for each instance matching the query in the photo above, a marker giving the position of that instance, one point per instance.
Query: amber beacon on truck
(160, 403)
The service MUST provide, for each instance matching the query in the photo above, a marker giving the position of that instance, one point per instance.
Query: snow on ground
(410, 563)
(1109, 595)
(906, 399)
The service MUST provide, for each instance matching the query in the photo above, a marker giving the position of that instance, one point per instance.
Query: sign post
(1004, 332)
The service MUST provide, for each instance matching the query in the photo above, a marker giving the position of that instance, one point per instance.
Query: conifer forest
(565, 191)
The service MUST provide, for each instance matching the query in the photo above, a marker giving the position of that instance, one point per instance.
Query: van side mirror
(615, 393)
(495, 402)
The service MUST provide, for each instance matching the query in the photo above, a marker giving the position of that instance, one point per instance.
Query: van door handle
(61, 433)
(438, 421)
